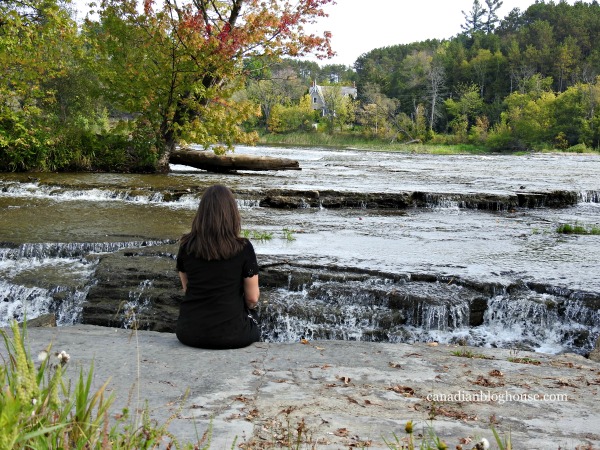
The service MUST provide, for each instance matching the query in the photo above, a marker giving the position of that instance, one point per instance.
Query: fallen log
(207, 160)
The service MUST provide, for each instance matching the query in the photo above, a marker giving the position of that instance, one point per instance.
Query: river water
(51, 225)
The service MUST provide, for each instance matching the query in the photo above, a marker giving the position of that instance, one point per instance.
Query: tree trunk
(207, 160)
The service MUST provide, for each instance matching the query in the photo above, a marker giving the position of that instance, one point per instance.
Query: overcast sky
(359, 26)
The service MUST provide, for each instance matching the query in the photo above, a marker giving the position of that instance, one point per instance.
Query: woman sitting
(219, 275)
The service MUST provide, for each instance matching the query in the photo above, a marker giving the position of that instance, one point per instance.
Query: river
(52, 225)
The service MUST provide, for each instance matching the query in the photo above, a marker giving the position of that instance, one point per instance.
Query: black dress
(213, 313)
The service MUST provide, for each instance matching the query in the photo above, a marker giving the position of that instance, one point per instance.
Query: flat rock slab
(338, 394)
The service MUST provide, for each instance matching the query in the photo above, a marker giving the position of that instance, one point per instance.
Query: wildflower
(42, 356)
(409, 427)
(63, 357)
(483, 444)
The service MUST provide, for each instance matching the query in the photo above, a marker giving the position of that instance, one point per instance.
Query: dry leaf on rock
(482, 381)
(404, 390)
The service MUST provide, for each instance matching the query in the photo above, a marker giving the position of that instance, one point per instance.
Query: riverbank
(339, 394)
(353, 141)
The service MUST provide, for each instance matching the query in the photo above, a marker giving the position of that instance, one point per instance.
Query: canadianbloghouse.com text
(496, 397)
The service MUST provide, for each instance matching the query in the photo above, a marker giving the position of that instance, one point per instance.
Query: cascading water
(65, 270)
(368, 312)
(491, 219)
(138, 303)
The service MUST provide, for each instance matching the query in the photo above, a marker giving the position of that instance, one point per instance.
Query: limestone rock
(45, 320)
(595, 354)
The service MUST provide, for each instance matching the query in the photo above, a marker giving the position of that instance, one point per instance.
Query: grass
(466, 353)
(288, 234)
(256, 235)
(577, 228)
(524, 360)
(354, 141)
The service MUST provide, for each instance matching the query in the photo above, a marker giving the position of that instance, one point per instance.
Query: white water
(521, 321)
(71, 224)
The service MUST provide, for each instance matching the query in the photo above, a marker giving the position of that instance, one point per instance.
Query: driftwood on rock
(207, 160)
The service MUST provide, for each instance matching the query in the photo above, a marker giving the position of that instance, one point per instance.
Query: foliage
(178, 66)
(52, 116)
(285, 119)
(121, 92)
(543, 51)
(38, 409)
(567, 228)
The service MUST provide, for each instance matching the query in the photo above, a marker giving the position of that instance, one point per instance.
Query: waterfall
(589, 197)
(63, 273)
(18, 302)
(384, 311)
(71, 249)
(137, 304)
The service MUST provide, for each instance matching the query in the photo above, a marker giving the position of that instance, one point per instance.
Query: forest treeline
(528, 81)
(121, 89)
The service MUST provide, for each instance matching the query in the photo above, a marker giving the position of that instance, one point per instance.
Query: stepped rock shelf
(207, 160)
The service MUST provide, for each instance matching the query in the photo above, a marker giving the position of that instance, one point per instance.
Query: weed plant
(39, 410)
(576, 228)
(466, 353)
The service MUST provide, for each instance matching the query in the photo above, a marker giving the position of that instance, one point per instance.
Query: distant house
(316, 93)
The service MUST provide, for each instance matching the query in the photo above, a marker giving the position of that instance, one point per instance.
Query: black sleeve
(250, 267)
(180, 257)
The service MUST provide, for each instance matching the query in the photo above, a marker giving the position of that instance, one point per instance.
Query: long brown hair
(216, 227)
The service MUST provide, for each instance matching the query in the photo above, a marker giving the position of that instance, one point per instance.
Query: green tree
(375, 111)
(567, 55)
(339, 109)
(491, 16)
(299, 117)
(530, 117)
(474, 19)
(283, 87)
(38, 51)
(464, 111)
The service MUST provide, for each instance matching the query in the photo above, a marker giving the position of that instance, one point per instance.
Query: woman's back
(213, 313)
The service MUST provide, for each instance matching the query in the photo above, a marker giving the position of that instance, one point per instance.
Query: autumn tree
(175, 65)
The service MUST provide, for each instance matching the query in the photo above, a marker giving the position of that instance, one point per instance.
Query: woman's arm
(251, 291)
(184, 280)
